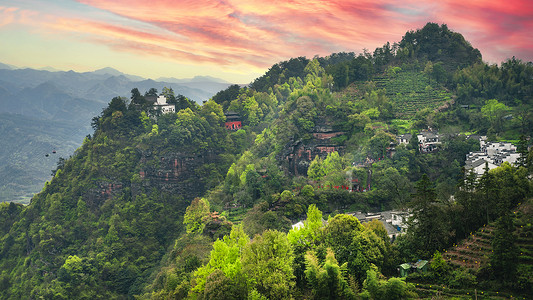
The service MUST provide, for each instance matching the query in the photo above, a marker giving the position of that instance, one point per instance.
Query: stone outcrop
(299, 154)
(173, 172)
(96, 196)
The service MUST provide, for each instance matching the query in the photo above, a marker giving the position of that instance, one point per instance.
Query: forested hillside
(172, 206)
(42, 111)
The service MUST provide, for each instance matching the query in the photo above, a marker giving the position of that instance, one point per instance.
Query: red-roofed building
(233, 121)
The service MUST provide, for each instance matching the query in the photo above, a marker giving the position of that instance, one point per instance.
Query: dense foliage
(171, 206)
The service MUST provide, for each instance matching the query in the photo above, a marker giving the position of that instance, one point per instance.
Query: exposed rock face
(173, 172)
(104, 190)
(298, 155)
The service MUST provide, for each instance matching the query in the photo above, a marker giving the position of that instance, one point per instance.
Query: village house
(395, 222)
(428, 141)
(491, 155)
(404, 139)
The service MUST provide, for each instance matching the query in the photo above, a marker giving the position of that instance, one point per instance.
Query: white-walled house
(428, 141)
(162, 104)
(491, 154)
(479, 166)
(404, 139)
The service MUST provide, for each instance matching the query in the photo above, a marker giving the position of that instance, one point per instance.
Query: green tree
(195, 214)
(395, 186)
(327, 281)
(394, 288)
(151, 92)
(267, 261)
(494, 112)
(439, 266)
(306, 238)
(428, 224)
(378, 144)
(316, 169)
(226, 257)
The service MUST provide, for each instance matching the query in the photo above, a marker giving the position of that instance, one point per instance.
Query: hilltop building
(233, 121)
(160, 103)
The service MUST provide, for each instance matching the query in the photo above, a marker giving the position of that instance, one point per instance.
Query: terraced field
(411, 91)
(474, 252)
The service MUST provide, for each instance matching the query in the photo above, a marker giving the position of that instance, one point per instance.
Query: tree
(428, 225)
(494, 112)
(378, 144)
(428, 70)
(327, 281)
(219, 286)
(267, 261)
(394, 288)
(504, 258)
(195, 214)
(151, 92)
(316, 169)
(169, 95)
(395, 186)
(137, 99)
(354, 244)
(486, 192)
(225, 257)
(305, 238)
(439, 267)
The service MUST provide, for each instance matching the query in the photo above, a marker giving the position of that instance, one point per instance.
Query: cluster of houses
(491, 155)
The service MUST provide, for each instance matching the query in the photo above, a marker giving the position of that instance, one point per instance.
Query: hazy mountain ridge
(42, 98)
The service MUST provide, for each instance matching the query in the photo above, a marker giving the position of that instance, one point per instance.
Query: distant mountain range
(45, 110)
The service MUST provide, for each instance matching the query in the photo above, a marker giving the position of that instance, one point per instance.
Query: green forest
(176, 206)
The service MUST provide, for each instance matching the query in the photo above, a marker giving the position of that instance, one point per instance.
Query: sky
(238, 40)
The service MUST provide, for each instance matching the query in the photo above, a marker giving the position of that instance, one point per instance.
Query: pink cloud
(257, 34)
(499, 29)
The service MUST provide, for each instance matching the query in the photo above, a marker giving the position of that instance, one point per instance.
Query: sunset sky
(238, 40)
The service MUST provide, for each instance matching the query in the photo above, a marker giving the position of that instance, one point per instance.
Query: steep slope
(124, 193)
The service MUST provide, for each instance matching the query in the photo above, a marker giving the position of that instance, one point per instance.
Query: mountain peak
(108, 70)
(195, 79)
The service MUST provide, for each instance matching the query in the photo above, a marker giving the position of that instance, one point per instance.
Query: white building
(491, 154)
(162, 104)
(428, 141)
(404, 139)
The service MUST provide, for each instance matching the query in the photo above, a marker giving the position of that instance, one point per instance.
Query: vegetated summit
(136, 209)
(42, 111)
